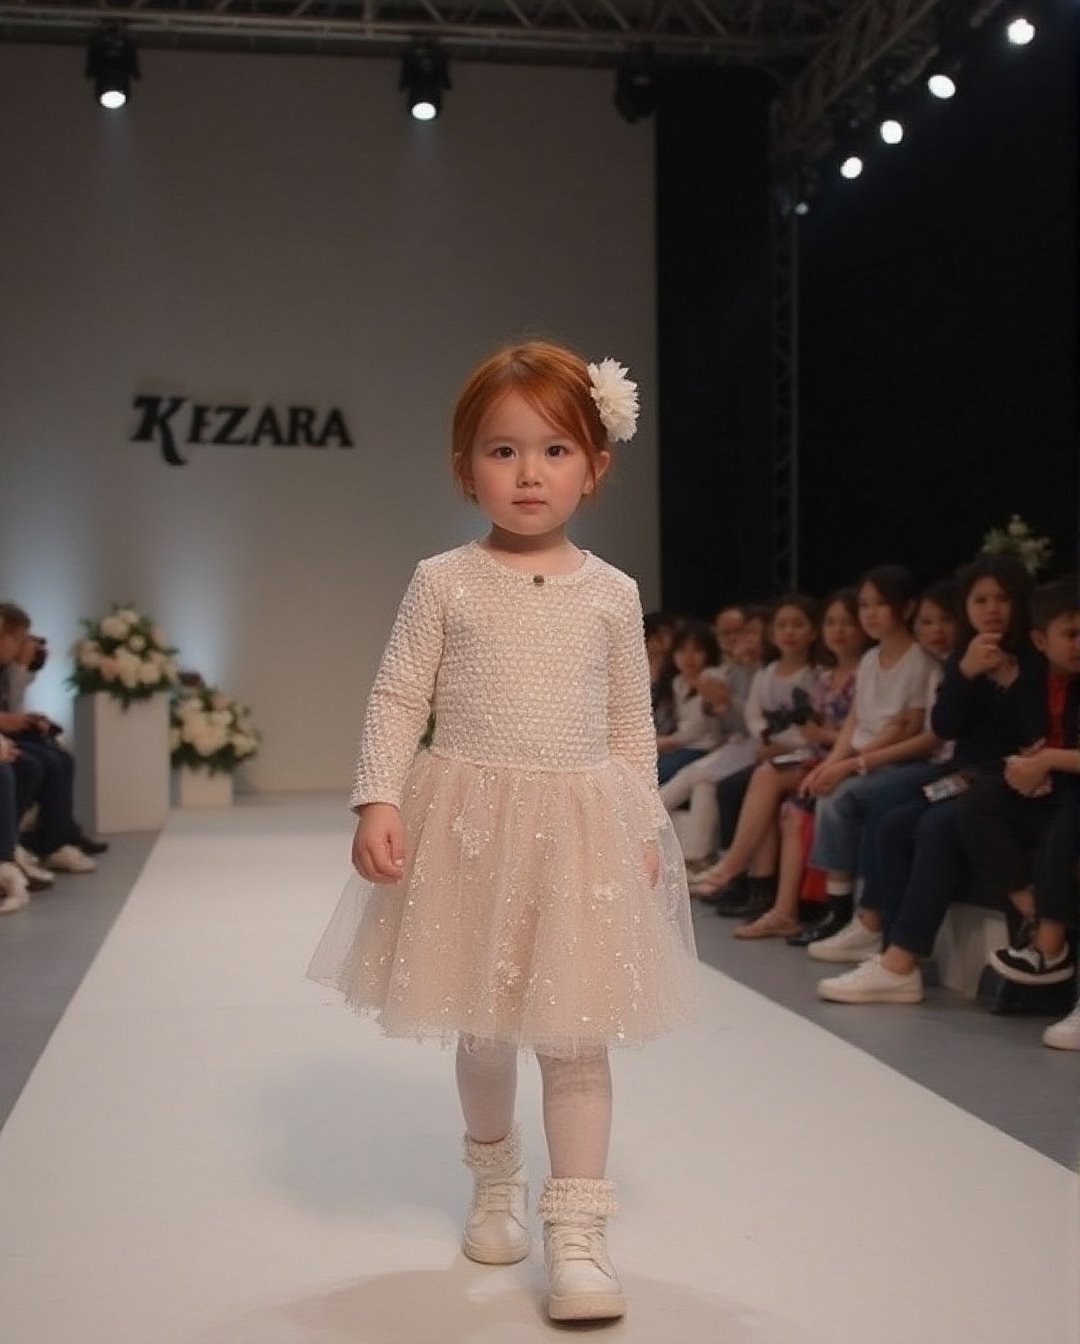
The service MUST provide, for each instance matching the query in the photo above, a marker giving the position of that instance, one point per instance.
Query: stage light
(852, 167)
(423, 77)
(635, 90)
(891, 131)
(112, 64)
(941, 85)
(1020, 32)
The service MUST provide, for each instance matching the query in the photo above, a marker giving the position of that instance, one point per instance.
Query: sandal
(772, 924)
(706, 886)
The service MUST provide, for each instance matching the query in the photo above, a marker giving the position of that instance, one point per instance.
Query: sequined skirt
(524, 914)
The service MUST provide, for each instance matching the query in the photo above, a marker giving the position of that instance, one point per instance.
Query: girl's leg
(496, 1226)
(577, 1200)
(577, 1113)
(783, 919)
(487, 1086)
(768, 786)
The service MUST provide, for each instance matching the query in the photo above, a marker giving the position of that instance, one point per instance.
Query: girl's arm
(400, 702)
(630, 733)
(753, 715)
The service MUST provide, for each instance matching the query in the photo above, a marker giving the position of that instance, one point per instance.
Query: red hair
(553, 380)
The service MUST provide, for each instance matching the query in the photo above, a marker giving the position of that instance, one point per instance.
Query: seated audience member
(844, 643)
(727, 623)
(782, 720)
(13, 887)
(695, 731)
(1020, 830)
(934, 625)
(921, 863)
(659, 634)
(879, 755)
(45, 772)
(690, 795)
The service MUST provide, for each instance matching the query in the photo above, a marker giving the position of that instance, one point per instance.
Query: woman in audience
(882, 745)
(13, 886)
(845, 643)
(726, 626)
(921, 864)
(934, 625)
(659, 636)
(696, 730)
(690, 796)
(782, 722)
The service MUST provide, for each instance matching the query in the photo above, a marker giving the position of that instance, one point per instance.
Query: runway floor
(210, 1150)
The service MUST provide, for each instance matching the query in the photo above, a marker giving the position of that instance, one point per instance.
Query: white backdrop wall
(276, 230)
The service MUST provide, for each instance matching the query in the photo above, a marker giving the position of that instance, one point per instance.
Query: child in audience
(1020, 830)
(695, 731)
(690, 796)
(659, 637)
(726, 626)
(872, 758)
(921, 865)
(934, 625)
(844, 642)
(782, 720)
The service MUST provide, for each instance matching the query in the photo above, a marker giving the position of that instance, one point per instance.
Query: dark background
(938, 300)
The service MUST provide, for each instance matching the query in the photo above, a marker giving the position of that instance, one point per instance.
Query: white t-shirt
(883, 693)
(769, 690)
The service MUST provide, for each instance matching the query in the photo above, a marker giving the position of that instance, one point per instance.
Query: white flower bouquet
(208, 731)
(1016, 538)
(125, 654)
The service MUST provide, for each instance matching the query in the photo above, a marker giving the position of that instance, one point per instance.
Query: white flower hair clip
(616, 399)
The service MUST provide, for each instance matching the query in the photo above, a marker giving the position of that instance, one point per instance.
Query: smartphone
(797, 757)
(948, 786)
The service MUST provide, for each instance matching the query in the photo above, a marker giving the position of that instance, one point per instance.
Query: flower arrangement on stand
(1017, 538)
(124, 654)
(209, 736)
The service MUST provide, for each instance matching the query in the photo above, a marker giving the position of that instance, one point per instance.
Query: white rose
(89, 654)
(188, 708)
(222, 717)
(129, 675)
(127, 614)
(149, 674)
(115, 627)
(1017, 527)
(219, 701)
(108, 669)
(158, 636)
(137, 643)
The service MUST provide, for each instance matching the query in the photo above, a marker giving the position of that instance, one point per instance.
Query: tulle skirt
(524, 915)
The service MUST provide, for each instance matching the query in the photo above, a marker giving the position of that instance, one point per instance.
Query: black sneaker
(90, 847)
(1029, 966)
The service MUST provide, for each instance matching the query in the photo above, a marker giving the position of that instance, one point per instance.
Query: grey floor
(990, 1066)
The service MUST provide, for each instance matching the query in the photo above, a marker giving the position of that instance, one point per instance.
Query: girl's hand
(827, 776)
(378, 848)
(1027, 775)
(652, 862)
(715, 693)
(984, 654)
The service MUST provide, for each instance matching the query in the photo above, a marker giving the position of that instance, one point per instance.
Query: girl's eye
(557, 450)
(503, 450)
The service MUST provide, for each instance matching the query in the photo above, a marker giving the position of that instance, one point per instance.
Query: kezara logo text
(173, 421)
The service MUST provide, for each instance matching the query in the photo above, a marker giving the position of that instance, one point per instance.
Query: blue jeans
(923, 868)
(845, 821)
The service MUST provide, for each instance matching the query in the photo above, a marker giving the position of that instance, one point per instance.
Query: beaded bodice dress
(525, 911)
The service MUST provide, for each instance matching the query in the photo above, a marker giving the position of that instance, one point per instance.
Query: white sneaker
(873, 983)
(13, 892)
(496, 1226)
(582, 1283)
(70, 859)
(1064, 1035)
(854, 942)
(31, 868)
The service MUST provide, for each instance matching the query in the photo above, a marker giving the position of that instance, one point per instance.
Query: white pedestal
(122, 758)
(967, 937)
(199, 788)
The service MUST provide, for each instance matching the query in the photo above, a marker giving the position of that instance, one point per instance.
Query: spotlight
(891, 131)
(852, 167)
(941, 85)
(635, 90)
(1020, 32)
(112, 64)
(423, 77)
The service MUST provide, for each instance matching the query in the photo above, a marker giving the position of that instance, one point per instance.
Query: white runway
(213, 1151)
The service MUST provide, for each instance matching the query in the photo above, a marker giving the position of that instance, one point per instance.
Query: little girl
(528, 888)
(693, 653)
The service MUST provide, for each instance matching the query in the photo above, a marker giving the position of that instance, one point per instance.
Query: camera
(40, 654)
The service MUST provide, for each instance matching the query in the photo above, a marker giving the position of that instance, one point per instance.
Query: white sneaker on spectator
(1064, 1035)
(13, 891)
(854, 942)
(70, 859)
(872, 983)
(31, 868)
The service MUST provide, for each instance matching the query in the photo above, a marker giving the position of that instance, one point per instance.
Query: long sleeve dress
(524, 913)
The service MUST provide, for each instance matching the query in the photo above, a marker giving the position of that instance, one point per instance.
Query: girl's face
(876, 616)
(727, 626)
(690, 658)
(793, 632)
(750, 642)
(988, 607)
(935, 628)
(527, 476)
(841, 633)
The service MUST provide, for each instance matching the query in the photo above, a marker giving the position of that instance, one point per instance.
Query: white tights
(577, 1103)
